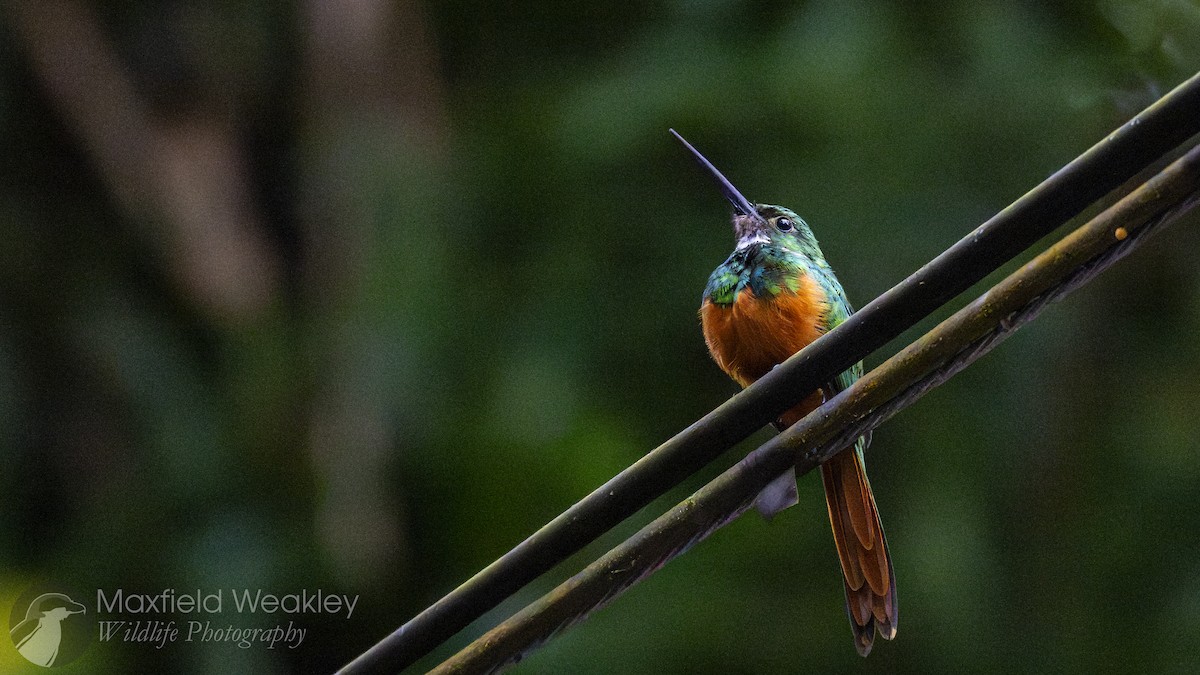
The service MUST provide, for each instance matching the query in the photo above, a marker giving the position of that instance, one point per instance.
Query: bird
(39, 636)
(771, 297)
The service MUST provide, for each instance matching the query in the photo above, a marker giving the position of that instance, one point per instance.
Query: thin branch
(1119, 157)
(894, 385)
(92, 91)
(371, 90)
(182, 180)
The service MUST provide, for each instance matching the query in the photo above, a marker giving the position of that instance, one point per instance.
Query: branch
(181, 180)
(371, 93)
(1124, 153)
(897, 383)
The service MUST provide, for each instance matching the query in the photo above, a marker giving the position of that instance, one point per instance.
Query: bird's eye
(784, 224)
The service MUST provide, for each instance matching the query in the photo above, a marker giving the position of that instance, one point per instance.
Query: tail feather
(851, 567)
(857, 505)
(870, 581)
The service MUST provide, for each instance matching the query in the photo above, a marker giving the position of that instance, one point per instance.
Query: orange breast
(753, 335)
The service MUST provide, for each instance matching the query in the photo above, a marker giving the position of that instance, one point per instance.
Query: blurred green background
(356, 294)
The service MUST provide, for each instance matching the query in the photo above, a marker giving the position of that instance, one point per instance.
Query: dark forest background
(356, 294)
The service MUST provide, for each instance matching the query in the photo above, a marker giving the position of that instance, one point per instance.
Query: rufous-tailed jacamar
(771, 297)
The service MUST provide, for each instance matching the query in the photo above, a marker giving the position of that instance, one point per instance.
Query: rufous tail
(866, 565)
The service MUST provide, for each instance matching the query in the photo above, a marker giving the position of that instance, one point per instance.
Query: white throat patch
(752, 238)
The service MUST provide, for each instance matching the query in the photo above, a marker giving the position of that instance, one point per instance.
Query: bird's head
(54, 606)
(757, 223)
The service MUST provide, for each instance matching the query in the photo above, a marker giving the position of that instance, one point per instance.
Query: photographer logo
(50, 628)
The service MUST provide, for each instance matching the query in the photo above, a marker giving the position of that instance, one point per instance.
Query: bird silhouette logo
(39, 637)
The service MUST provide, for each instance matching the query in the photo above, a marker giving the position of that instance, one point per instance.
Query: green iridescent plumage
(771, 260)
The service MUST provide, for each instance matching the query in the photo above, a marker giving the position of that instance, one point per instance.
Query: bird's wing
(838, 310)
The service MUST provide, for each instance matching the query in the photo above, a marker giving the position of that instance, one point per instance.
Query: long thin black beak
(739, 201)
